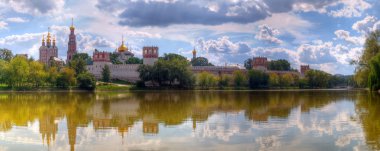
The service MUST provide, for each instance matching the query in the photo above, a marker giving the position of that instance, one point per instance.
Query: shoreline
(163, 90)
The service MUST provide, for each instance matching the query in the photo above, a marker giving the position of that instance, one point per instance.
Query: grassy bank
(113, 87)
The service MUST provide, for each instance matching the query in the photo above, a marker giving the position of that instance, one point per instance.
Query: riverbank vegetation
(171, 71)
(21, 73)
(367, 72)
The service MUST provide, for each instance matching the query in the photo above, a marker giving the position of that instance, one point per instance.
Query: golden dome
(72, 24)
(122, 47)
(194, 51)
(48, 37)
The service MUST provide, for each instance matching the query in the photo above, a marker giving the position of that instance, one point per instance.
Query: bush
(206, 80)
(86, 81)
(140, 84)
(106, 74)
(66, 78)
(257, 79)
(239, 78)
(224, 81)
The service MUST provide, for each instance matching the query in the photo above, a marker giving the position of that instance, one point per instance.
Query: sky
(326, 34)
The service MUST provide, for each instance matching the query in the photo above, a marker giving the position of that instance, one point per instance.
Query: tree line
(173, 70)
(19, 72)
(367, 71)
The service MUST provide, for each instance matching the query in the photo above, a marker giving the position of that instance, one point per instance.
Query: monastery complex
(48, 54)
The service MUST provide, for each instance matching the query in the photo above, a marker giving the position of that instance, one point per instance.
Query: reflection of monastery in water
(123, 112)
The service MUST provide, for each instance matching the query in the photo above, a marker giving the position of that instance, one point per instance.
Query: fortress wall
(127, 72)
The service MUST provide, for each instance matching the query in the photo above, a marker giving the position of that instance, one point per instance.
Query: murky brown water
(190, 120)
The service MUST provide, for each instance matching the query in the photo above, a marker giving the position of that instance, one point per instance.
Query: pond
(190, 120)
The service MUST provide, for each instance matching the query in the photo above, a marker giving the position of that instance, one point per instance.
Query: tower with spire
(72, 44)
(48, 48)
(194, 54)
(123, 52)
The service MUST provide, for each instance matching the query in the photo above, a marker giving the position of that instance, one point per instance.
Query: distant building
(56, 62)
(260, 63)
(150, 55)
(304, 69)
(72, 44)
(123, 52)
(127, 72)
(22, 55)
(101, 57)
(194, 54)
(48, 50)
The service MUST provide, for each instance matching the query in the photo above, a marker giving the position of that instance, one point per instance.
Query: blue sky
(326, 34)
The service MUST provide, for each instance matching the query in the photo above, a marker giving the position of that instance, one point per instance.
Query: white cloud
(366, 25)
(269, 34)
(351, 8)
(3, 25)
(289, 23)
(17, 20)
(12, 39)
(345, 35)
(316, 53)
(34, 7)
(223, 45)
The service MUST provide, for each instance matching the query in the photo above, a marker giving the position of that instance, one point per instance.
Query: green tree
(302, 83)
(257, 79)
(86, 81)
(317, 79)
(52, 75)
(78, 63)
(371, 49)
(206, 80)
(286, 80)
(248, 64)
(4, 68)
(239, 78)
(66, 78)
(106, 74)
(6, 54)
(173, 56)
(224, 81)
(279, 65)
(170, 70)
(18, 72)
(274, 80)
(146, 72)
(374, 75)
(83, 56)
(201, 61)
(134, 60)
(37, 74)
(114, 58)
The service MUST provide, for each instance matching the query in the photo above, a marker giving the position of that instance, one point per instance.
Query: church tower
(194, 54)
(48, 48)
(72, 44)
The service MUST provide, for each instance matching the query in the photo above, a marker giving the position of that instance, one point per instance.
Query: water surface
(191, 120)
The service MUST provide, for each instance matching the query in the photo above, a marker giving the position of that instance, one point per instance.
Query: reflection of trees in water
(122, 110)
(368, 110)
(19, 109)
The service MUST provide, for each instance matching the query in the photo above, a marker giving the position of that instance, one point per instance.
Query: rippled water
(191, 120)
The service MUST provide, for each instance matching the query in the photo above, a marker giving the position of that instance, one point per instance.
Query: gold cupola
(48, 37)
(122, 47)
(72, 24)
